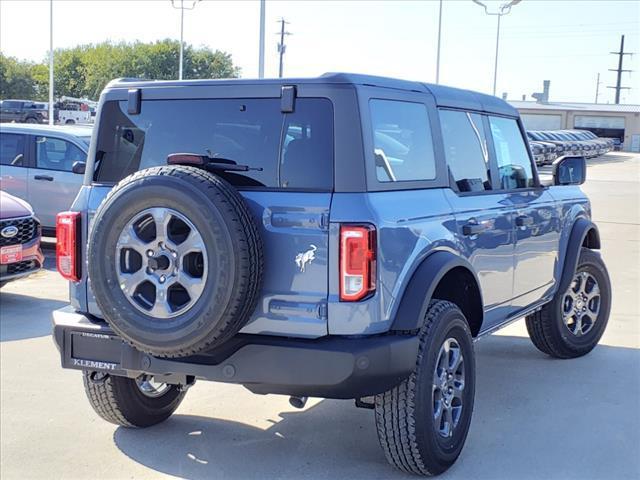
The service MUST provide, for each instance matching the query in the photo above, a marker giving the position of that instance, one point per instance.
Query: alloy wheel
(448, 388)
(161, 262)
(581, 304)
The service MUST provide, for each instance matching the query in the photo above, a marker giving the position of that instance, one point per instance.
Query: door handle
(474, 228)
(48, 178)
(524, 220)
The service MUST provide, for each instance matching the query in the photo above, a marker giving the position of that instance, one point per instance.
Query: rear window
(292, 150)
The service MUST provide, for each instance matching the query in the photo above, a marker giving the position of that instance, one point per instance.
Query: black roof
(444, 96)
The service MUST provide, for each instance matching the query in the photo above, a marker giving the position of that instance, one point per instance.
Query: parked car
(20, 253)
(345, 236)
(538, 152)
(22, 111)
(44, 166)
(72, 111)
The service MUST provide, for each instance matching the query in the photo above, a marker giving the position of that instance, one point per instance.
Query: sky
(566, 42)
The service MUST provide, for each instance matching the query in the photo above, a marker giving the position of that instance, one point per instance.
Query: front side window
(465, 150)
(514, 164)
(12, 149)
(57, 154)
(292, 150)
(403, 148)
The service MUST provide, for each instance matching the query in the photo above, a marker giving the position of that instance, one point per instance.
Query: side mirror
(570, 171)
(79, 167)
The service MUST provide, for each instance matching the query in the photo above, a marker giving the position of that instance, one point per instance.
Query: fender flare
(419, 291)
(581, 228)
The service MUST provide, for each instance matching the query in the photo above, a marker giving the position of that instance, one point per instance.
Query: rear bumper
(330, 367)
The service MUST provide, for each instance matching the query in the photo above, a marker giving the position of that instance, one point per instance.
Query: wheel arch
(445, 276)
(584, 233)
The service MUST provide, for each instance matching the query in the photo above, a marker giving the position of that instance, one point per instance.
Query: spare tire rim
(161, 262)
(581, 304)
(150, 388)
(448, 388)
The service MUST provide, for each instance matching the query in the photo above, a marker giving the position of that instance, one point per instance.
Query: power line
(621, 55)
(281, 46)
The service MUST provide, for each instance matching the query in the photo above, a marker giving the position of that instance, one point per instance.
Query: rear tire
(217, 289)
(412, 435)
(572, 324)
(121, 401)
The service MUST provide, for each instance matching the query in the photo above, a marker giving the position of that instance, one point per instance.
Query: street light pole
(495, 65)
(182, 39)
(51, 119)
(504, 9)
(261, 43)
(438, 53)
(182, 8)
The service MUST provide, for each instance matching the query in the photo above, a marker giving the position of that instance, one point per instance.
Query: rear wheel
(572, 324)
(140, 402)
(31, 120)
(423, 422)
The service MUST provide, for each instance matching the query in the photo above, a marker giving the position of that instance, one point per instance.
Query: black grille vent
(28, 229)
(20, 267)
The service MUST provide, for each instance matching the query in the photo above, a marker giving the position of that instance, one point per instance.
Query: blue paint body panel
(517, 267)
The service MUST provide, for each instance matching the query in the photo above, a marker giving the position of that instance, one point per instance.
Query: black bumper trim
(328, 367)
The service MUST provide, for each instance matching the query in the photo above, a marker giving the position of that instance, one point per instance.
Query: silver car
(43, 165)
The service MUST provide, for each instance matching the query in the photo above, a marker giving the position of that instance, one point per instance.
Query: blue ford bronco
(344, 236)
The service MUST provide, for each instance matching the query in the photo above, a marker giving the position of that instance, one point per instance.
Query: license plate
(10, 254)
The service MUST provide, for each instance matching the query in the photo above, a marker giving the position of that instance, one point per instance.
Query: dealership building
(605, 120)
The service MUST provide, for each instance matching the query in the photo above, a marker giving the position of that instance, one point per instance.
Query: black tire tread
(395, 420)
(238, 312)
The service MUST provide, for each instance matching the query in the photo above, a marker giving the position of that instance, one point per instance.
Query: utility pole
(598, 82)
(621, 55)
(281, 46)
(438, 53)
(261, 42)
(182, 8)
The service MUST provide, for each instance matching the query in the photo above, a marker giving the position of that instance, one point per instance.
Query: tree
(16, 79)
(84, 70)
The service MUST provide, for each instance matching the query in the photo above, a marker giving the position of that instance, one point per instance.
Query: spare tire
(175, 260)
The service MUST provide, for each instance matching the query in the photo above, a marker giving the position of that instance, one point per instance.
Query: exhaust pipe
(298, 402)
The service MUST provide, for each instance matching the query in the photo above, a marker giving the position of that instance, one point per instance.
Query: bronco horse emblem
(302, 259)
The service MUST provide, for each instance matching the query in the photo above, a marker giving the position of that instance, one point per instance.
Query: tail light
(357, 262)
(67, 256)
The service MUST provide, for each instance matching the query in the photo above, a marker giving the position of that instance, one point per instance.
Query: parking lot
(534, 417)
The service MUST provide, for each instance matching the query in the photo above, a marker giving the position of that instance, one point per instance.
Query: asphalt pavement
(535, 417)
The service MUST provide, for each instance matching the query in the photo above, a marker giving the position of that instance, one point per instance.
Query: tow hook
(298, 402)
(183, 387)
(98, 378)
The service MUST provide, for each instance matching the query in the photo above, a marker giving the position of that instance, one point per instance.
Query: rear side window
(12, 149)
(403, 149)
(57, 154)
(293, 150)
(514, 164)
(465, 150)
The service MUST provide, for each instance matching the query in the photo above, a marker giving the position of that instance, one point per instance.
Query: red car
(20, 253)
